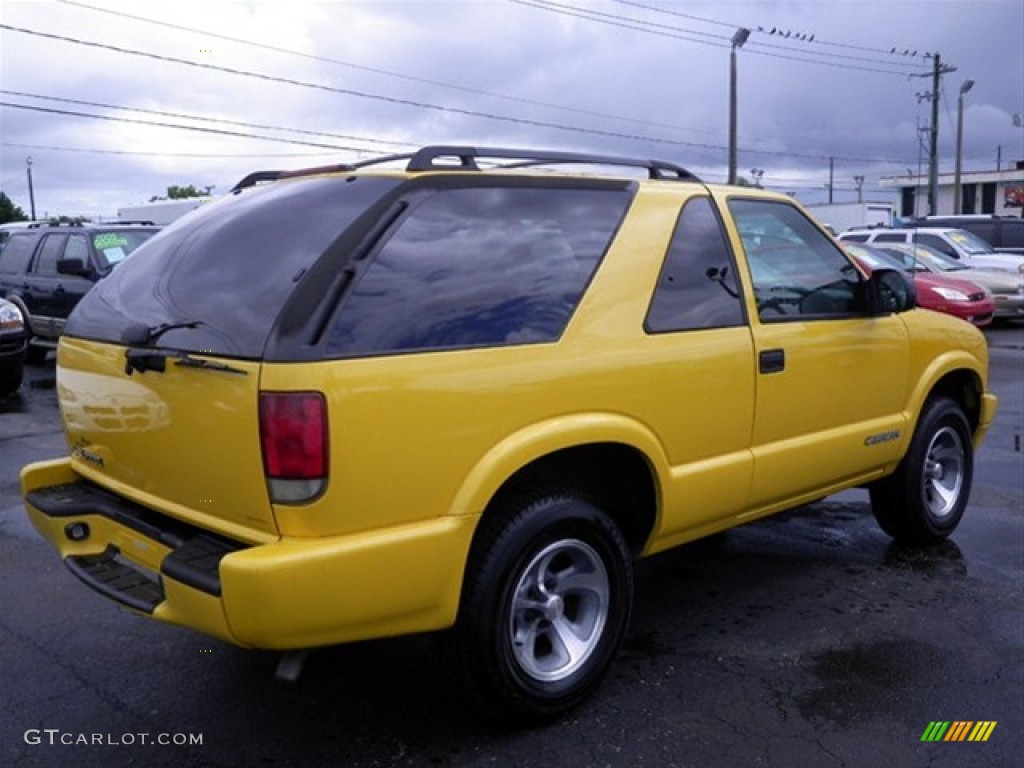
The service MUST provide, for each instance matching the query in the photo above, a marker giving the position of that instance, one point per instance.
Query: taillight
(293, 436)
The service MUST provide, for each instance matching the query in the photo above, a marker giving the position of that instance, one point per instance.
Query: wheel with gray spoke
(924, 500)
(546, 602)
(559, 610)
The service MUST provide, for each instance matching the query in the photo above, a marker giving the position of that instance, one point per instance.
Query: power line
(380, 71)
(661, 31)
(732, 25)
(201, 118)
(219, 155)
(387, 99)
(359, 94)
(216, 131)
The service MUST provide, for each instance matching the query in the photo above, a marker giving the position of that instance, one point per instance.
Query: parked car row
(959, 244)
(936, 292)
(1007, 288)
(1004, 233)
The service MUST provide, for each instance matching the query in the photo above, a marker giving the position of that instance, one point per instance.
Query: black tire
(541, 572)
(35, 355)
(923, 501)
(10, 377)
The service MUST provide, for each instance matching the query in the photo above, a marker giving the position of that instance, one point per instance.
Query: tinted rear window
(229, 266)
(479, 267)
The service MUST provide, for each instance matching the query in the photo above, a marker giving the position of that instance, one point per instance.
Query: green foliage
(176, 192)
(9, 211)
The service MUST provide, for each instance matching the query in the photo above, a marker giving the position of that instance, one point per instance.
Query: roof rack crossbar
(426, 160)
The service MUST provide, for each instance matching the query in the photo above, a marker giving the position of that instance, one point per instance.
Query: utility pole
(831, 177)
(738, 39)
(31, 194)
(957, 193)
(859, 181)
(933, 150)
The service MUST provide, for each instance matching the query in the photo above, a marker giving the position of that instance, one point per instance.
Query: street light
(738, 40)
(957, 201)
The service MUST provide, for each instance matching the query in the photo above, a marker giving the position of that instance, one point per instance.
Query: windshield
(113, 245)
(874, 258)
(970, 243)
(937, 261)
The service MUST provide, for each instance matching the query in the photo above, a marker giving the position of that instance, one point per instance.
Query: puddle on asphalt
(858, 683)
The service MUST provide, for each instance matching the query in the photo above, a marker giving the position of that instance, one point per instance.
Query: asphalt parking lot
(805, 640)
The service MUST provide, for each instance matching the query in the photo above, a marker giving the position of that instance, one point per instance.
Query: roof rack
(89, 224)
(438, 158)
(426, 160)
(41, 224)
(257, 176)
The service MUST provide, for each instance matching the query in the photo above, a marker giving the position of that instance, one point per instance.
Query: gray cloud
(673, 93)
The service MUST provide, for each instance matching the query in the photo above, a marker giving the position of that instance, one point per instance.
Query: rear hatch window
(225, 271)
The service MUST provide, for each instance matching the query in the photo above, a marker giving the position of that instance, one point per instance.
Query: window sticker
(114, 255)
(109, 240)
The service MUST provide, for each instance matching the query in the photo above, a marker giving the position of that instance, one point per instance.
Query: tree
(176, 192)
(9, 211)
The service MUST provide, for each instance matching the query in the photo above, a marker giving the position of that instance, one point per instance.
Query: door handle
(772, 361)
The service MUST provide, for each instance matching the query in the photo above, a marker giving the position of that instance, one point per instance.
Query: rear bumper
(292, 593)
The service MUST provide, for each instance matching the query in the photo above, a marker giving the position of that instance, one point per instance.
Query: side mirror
(75, 267)
(891, 291)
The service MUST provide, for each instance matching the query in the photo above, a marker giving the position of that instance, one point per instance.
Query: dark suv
(1003, 233)
(45, 269)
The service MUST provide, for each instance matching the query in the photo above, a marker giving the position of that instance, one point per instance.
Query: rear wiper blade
(139, 334)
(187, 361)
(155, 359)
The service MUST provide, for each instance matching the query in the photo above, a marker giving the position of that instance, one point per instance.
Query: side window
(697, 287)
(77, 248)
(798, 273)
(16, 254)
(937, 243)
(890, 237)
(52, 250)
(479, 266)
(855, 238)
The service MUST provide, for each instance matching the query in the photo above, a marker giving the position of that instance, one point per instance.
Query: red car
(959, 298)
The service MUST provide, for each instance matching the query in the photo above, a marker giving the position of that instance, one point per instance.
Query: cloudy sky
(116, 101)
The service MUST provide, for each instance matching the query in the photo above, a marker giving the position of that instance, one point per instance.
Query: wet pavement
(808, 639)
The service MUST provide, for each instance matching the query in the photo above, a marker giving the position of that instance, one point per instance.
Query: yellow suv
(465, 394)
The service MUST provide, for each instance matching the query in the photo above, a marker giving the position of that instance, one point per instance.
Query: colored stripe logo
(958, 730)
